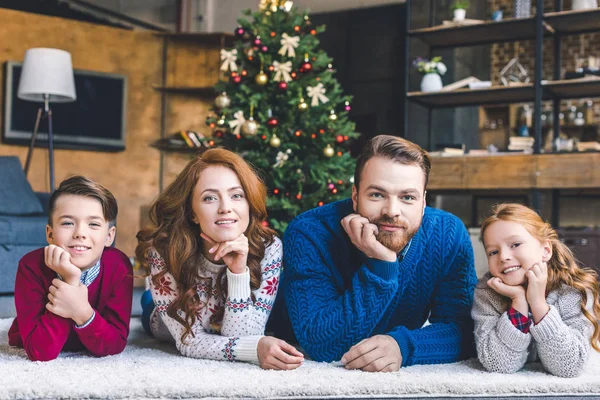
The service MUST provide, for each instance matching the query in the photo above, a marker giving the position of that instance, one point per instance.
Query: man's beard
(395, 241)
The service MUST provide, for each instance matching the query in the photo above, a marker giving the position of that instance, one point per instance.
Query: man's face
(391, 196)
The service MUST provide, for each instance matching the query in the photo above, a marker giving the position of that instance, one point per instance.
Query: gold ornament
(221, 121)
(273, 5)
(275, 141)
(328, 151)
(333, 116)
(302, 106)
(222, 100)
(262, 79)
(250, 127)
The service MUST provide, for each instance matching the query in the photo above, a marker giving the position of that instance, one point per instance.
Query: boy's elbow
(37, 355)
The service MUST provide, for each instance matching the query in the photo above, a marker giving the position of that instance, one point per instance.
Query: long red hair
(177, 238)
(562, 266)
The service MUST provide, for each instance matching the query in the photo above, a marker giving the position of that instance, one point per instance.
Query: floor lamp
(47, 77)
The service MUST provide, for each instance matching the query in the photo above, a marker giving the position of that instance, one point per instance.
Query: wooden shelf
(163, 145)
(473, 97)
(574, 22)
(516, 171)
(573, 88)
(214, 39)
(470, 35)
(196, 90)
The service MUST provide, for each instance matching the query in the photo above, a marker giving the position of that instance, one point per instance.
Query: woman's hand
(234, 253)
(537, 279)
(277, 354)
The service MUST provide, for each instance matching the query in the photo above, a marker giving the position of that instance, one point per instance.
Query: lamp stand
(46, 112)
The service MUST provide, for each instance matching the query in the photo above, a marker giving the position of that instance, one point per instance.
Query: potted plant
(431, 82)
(460, 10)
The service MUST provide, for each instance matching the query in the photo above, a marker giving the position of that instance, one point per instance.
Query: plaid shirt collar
(89, 275)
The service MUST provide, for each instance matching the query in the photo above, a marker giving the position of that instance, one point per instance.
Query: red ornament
(305, 67)
(239, 32)
(283, 85)
(272, 122)
(264, 223)
(275, 191)
(257, 42)
(339, 139)
(299, 196)
(219, 133)
(237, 79)
(330, 186)
(320, 203)
(264, 49)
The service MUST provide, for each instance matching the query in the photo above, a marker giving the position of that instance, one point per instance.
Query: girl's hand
(234, 253)
(537, 278)
(276, 354)
(516, 294)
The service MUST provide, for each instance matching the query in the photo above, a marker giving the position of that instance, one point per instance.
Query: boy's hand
(69, 301)
(537, 278)
(363, 235)
(58, 259)
(234, 253)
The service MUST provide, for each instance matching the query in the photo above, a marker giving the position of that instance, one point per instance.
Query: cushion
(23, 230)
(16, 195)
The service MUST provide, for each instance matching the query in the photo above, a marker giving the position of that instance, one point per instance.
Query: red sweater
(44, 334)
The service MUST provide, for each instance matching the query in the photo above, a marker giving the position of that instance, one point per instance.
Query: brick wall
(572, 47)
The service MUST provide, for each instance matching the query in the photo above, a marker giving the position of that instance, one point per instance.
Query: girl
(536, 303)
(214, 266)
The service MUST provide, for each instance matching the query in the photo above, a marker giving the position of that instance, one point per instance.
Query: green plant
(435, 65)
(460, 5)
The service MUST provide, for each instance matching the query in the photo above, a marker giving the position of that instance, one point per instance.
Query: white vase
(459, 14)
(584, 4)
(431, 82)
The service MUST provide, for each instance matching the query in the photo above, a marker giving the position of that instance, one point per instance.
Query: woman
(214, 266)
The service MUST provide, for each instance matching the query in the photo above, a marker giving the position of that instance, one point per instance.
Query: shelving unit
(533, 172)
(190, 70)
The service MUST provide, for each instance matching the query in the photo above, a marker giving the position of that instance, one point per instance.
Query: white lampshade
(47, 72)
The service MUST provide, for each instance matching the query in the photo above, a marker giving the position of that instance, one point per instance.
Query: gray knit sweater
(561, 341)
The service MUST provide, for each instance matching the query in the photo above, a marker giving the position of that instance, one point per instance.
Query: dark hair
(562, 266)
(177, 238)
(81, 186)
(393, 148)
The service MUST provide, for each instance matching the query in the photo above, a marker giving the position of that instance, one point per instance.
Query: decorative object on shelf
(514, 72)
(46, 77)
(584, 4)
(432, 81)
(498, 15)
(460, 84)
(222, 100)
(522, 8)
(459, 8)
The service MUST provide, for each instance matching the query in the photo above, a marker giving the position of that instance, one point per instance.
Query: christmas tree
(281, 108)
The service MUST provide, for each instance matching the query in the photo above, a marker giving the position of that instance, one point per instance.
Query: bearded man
(381, 281)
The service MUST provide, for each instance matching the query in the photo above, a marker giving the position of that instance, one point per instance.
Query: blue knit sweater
(336, 296)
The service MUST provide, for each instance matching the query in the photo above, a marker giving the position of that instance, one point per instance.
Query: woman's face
(219, 204)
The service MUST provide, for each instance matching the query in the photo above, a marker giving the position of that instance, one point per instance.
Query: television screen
(95, 121)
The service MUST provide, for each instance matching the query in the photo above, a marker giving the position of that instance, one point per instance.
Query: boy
(75, 293)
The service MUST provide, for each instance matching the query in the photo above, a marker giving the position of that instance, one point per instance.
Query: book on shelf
(588, 146)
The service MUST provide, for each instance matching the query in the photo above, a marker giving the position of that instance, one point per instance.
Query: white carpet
(147, 369)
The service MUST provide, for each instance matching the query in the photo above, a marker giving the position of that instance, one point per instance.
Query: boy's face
(79, 227)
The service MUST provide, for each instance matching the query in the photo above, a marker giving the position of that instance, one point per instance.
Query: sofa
(23, 219)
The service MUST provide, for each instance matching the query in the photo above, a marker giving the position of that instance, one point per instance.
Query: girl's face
(219, 204)
(511, 251)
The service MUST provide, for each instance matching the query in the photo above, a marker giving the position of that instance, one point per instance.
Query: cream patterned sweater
(243, 322)
(560, 341)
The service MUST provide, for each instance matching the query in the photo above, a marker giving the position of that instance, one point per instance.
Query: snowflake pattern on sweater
(244, 320)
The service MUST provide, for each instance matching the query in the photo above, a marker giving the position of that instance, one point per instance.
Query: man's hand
(515, 293)
(537, 279)
(234, 253)
(69, 301)
(363, 233)
(58, 259)
(276, 354)
(379, 353)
